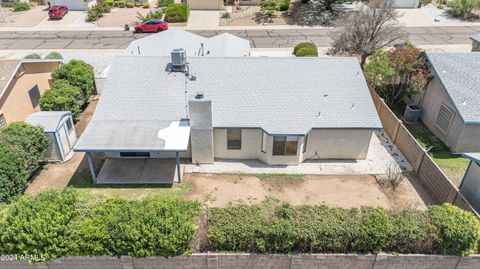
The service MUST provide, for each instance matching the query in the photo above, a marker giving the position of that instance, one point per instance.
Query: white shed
(59, 128)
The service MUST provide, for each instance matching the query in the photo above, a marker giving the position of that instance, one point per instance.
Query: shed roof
(48, 120)
(279, 95)
(459, 73)
(162, 44)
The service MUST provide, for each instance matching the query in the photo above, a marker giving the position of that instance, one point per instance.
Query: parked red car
(151, 26)
(57, 12)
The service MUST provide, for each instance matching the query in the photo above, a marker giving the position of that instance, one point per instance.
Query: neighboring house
(282, 111)
(78, 5)
(22, 83)
(450, 106)
(470, 186)
(59, 128)
(475, 42)
(161, 44)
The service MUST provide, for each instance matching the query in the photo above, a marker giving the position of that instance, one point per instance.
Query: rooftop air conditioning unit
(179, 59)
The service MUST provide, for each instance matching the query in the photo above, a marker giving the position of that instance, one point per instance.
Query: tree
(13, 175)
(372, 27)
(269, 7)
(396, 73)
(78, 74)
(463, 8)
(61, 97)
(30, 141)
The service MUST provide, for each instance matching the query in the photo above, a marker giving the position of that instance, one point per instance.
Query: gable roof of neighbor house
(279, 95)
(48, 120)
(161, 44)
(459, 73)
(476, 37)
(474, 156)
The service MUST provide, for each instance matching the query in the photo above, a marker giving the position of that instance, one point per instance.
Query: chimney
(201, 130)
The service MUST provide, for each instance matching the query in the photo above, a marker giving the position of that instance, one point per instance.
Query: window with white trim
(234, 139)
(264, 142)
(285, 145)
(444, 118)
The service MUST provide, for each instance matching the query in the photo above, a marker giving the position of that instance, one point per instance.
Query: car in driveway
(151, 26)
(57, 12)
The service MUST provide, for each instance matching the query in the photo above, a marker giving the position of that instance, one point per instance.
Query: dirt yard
(339, 191)
(29, 18)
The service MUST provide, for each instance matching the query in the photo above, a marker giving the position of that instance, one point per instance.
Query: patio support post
(179, 174)
(92, 169)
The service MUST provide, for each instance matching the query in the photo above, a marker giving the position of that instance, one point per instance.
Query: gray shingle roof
(474, 156)
(48, 120)
(476, 37)
(459, 72)
(279, 95)
(161, 44)
(7, 70)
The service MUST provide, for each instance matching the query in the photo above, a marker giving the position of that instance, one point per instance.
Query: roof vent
(199, 95)
(179, 60)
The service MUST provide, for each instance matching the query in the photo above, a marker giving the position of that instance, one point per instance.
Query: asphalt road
(259, 38)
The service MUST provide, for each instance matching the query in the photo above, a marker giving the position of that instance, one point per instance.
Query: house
(450, 107)
(76, 5)
(475, 42)
(282, 111)
(59, 128)
(22, 83)
(470, 186)
(161, 44)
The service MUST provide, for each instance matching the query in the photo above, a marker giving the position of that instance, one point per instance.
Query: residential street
(19, 40)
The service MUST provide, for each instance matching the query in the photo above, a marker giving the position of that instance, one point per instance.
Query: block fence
(253, 261)
(430, 175)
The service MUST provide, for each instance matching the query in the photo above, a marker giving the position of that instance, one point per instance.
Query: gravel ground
(29, 18)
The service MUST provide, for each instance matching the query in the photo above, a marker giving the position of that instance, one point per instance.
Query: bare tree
(368, 29)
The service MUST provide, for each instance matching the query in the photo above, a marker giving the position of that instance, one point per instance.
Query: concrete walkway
(203, 19)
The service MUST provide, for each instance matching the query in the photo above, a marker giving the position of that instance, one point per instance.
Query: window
(3, 122)
(234, 139)
(69, 126)
(264, 142)
(34, 94)
(285, 145)
(305, 139)
(444, 118)
(134, 154)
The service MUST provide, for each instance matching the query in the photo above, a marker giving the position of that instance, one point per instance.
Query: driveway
(204, 19)
(67, 21)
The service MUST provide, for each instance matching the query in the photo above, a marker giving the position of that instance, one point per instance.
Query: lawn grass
(453, 165)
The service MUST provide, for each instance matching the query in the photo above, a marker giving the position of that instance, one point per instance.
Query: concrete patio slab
(137, 171)
(382, 155)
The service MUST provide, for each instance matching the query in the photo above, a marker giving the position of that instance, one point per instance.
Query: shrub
(284, 5)
(61, 97)
(54, 55)
(313, 229)
(79, 74)
(150, 15)
(177, 13)
(305, 49)
(13, 175)
(120, 4)
(226, 15)
(130, 4)
(38, 225)
(164, 3)
(30, 141)
(21, 6)
(138, 4)
(463, 8)
(33, 56)
(457, 231)
(146, 4)
(155, 226)
(109, 2)
(96, 12)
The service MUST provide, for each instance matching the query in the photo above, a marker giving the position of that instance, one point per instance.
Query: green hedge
(315, 229)
(21, 6)
(305, 49)
(54, 55)
(177, 13)
(61, 97)
(22, 152)
(55, 224)
(79, 74)
(164, 3)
